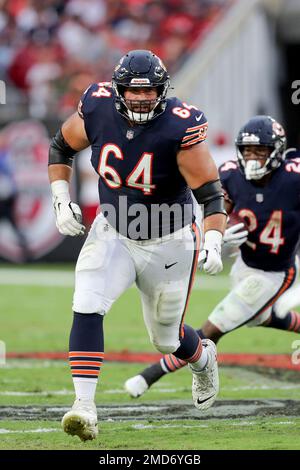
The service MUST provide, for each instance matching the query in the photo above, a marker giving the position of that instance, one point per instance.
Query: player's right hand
(68, 218)
(235, 235)
(209, 258)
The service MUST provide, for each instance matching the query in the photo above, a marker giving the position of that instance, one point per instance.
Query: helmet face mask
(259, 132)
(140, 111)
(139, 70)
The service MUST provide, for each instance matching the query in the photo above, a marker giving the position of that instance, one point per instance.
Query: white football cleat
(136, 386)
(205, 385)
(81, 420)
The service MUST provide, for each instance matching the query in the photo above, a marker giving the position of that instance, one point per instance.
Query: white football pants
(253, 294)
(162, 268)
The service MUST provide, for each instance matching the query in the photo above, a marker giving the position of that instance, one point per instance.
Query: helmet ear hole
(121, 89)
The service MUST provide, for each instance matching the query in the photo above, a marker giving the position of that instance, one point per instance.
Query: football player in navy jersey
(263, 189)
(150, 154)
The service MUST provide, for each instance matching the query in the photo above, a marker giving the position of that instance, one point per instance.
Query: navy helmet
(261, 131)
(139, 69)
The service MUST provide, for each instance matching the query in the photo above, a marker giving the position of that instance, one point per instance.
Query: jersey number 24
(272, 232)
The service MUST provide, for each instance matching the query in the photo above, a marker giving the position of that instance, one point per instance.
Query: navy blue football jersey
(139, 162)
(272, 213)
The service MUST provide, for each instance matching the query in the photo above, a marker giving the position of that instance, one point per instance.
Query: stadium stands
(51, 50)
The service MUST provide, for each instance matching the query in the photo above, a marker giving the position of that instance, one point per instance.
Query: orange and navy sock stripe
(86, 364)
(170, 363)
(294, 322)
(196, 356)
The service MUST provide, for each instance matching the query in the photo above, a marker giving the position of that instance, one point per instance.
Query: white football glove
(68, 214)
(233, 236)
(210, 255)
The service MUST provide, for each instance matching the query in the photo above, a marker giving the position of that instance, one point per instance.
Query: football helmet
(140, 68)
(261, 131)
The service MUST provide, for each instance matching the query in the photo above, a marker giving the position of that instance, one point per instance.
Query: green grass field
(36, 317)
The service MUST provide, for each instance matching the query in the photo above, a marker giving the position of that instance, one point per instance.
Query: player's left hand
(210, 256)
(68, 218)
(235, 235)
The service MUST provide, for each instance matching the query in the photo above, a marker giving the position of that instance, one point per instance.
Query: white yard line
(262, 387)
(140, 426)
(11, 393)
(33, 364)
(167, 426)
(35, 277)
(59, 278)
(46, 393)
(29, 431)
(179, 426)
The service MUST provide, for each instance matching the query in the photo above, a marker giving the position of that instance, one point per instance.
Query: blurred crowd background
(51, 50)
(230, 58)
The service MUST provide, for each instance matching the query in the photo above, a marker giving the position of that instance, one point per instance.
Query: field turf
(257, 408)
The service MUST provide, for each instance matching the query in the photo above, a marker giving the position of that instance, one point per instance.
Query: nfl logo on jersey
(130, 134)
(259, 197)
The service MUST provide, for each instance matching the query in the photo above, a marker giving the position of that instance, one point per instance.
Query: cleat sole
(77, 426)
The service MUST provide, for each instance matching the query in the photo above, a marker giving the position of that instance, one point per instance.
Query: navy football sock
(190, 346)
(168, 363)
(200, 334)
(86, 352)
(291, 322)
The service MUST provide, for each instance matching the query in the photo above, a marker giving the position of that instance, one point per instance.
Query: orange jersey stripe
(192, 136)
(191, 129)
(194, 141)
